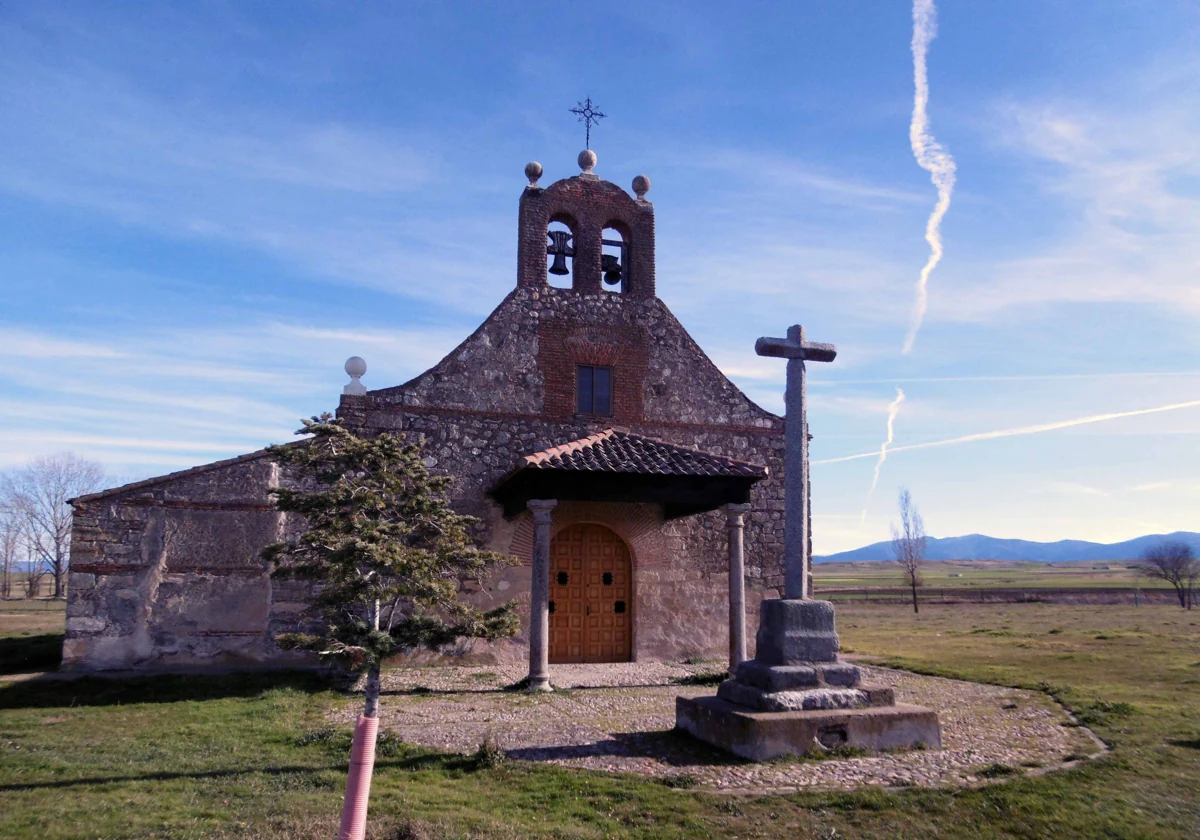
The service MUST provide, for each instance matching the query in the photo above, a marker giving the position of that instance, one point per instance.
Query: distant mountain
(980, 547)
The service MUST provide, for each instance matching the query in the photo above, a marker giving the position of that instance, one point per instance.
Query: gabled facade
(166, 571)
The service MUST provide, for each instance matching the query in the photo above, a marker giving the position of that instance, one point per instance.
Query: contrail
(893, 410)
(1022, 430)
(930, 156)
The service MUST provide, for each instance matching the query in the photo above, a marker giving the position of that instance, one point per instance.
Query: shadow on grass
(520, 686)
(671, 746)
(21, 654)
(56, 692)
(162, 777)
(414, 763)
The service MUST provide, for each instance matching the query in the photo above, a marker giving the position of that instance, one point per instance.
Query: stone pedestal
(796, 696)
(762, 736)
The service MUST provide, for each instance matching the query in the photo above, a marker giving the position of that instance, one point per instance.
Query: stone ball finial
(356, 366)
(587, 161)
(641, 186)
(533, 171)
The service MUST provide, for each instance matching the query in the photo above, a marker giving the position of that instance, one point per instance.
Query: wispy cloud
(175, 398)
(1024, 377)
(26, 344)
(1021, 430)
(321, 197)
(1124, 181)
(892, 411)
(773, 173)
(1172, 486)
(1072, 488)
(931, 157)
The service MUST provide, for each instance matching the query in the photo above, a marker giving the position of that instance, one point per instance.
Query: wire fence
(1003, 595)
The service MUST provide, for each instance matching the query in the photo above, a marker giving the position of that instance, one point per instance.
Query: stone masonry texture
(166, 572)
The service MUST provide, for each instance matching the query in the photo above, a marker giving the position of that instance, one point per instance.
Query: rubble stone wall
(477, 425)
(166, 573)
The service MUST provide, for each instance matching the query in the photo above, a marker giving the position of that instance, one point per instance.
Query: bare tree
(908, 543)
(1176, 563)
(10, 550)
(37, 496)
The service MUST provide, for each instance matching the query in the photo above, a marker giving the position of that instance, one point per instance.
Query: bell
(559, 266)
(611, 266)
(560, 250)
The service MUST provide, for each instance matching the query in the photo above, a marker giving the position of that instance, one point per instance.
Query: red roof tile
(623, 452)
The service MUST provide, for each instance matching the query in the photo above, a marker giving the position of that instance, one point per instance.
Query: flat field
(986, 574)
(31, 634)
(252, 756)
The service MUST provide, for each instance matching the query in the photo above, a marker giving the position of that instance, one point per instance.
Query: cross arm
(786, 348)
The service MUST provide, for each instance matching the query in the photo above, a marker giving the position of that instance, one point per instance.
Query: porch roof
(619, 466)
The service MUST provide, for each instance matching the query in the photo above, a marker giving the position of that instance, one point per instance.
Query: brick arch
(572, 224)
(563, 217)
(593, 204)
(638, 525)
(621, 226)
(625, 232)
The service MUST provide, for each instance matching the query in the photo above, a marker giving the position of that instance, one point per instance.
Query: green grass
(255, 756)
(20, 617)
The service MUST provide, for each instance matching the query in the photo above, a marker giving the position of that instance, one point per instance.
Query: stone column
(735, 519)
(796, 349)
(539, 597)
(795, 545)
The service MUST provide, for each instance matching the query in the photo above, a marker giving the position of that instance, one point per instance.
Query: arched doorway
(591, 616)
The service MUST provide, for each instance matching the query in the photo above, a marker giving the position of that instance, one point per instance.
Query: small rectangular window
(594, 390)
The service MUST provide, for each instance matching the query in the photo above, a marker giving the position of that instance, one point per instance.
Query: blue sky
(208, 206)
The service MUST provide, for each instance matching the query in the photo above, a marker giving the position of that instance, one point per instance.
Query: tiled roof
(613, 451)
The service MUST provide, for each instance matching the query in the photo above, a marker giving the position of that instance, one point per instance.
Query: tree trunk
(371, 705)
(914, 593)
(362, 753)
(58, 577)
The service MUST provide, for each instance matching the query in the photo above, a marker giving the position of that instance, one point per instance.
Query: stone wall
(166, 573)
(476, 425)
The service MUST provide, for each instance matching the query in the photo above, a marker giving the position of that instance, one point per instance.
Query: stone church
(580, 399)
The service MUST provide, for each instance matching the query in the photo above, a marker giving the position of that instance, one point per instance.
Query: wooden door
(590, 596)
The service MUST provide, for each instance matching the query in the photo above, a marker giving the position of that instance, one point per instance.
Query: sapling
(390, 558)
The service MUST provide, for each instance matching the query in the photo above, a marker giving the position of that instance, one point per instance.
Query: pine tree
(389, 554)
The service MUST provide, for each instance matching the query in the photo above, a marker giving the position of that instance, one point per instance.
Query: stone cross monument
(795, 695)
(794, 348)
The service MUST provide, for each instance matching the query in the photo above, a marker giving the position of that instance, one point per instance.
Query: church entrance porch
(591, 617)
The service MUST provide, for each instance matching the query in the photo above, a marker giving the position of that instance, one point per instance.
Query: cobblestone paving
(619, 718)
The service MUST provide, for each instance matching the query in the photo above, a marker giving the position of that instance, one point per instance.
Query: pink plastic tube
(358, 786)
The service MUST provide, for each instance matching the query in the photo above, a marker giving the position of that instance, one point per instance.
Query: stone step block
(797, 677)
(762, 736)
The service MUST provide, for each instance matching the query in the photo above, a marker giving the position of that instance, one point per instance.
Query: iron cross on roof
(589, 115)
